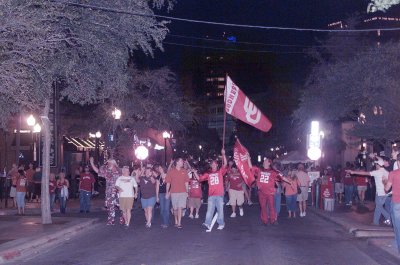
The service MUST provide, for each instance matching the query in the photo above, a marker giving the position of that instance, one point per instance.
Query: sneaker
(220, 227)
(233, 215)
(183, 212)
(191, 216)
(241, 213)
(197, 216)
(304, 214)
(148, 225)
(387, 222)
(228, 203)
(301, 214)
(250, 203)
(207, 226)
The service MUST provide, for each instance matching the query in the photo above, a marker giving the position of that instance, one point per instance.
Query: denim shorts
(150, 202)
(21, 199)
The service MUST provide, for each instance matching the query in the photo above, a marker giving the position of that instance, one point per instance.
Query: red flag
(241, 157)
(239, 105)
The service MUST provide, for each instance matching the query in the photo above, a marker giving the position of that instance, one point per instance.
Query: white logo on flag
(250, 110)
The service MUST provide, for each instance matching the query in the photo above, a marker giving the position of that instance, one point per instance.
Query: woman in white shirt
(127, 188)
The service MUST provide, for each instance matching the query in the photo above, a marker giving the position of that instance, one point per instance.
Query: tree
(43, 42)
(381, 5)
(362, 87)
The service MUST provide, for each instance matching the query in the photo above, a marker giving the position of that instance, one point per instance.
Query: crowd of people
(185, 186)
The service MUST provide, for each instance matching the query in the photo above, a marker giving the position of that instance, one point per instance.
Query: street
(309, 240)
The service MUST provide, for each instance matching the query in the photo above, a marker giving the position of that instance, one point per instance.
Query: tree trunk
(45, 196)
(18, 140)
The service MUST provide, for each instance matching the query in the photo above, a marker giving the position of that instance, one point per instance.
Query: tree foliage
(44, 41)
(361, 87)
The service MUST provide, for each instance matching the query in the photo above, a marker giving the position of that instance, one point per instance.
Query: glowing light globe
(141, 152)
(314, 153)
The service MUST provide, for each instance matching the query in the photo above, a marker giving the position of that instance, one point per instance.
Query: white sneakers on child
(241, 213)
(233, 215)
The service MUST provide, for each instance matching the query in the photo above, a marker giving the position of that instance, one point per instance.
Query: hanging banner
(241, 157)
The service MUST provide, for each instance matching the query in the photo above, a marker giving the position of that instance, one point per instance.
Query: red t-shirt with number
(266, 179)
(235, 181)
(194, 189)
(215, 182)
(361, 181)
(347, 178)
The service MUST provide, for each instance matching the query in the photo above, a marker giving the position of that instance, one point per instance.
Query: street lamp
(116, 113)
(97, 137)
(31, 121)
(141, 152)
(166, 135)
(314, 142)
(36, 128)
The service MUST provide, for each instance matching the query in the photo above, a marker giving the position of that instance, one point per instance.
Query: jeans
(63, 204)
(267, 207)
(52, 200)
(395, 213)
(348, 193)
(277, 200)
(291, 202)
(388, 204)
(165, 205)
(215, 202)
(84, 200)
(379, 202)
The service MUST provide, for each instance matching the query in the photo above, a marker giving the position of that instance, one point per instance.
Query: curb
(36, 245)
(357, 232)
(374, 243)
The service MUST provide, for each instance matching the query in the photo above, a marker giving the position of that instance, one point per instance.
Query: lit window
(221, 86)
(221, 78)
(208, 58)
(221, 58)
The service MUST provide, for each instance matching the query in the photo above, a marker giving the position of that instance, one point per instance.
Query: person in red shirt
(266, 178)
(236, 192)
(215, 192)
(195, 192)
(86, 184)
(52, 190)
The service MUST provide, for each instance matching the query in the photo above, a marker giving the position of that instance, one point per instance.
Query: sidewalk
(23, 236)
(357, 220)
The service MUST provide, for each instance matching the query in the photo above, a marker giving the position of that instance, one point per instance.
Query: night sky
(288, 64)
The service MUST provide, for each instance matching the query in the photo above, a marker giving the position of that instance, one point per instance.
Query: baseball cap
(379, 161)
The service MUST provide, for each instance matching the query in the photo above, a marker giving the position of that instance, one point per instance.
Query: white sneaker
(191, 216)
(197, 216)
(301, 214)
(183, 212)
(233, 215)
(241, 213)
(220, 227)
(304, 214)
(387, 222)
(250, 203)
(228, 203)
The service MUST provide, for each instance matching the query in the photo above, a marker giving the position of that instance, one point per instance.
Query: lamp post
(116, 113)
(36, 128)
(166, 135)
(97, 136)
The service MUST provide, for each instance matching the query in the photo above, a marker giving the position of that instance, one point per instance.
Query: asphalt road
(309, 240)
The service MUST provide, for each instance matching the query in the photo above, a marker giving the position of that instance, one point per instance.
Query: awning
(81, 144)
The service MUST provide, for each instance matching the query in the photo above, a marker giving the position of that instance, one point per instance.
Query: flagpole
(224, 130)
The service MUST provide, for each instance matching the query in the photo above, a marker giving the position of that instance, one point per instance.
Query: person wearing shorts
(304, 181)
(127, 189)
(236, 192)
(177, 180)
(149, 191)
(361, 183)
(339, 186)
(194, 200)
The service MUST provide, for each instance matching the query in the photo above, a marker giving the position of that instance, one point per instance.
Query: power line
(227, 49)
(262, 43)
(106, 9)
